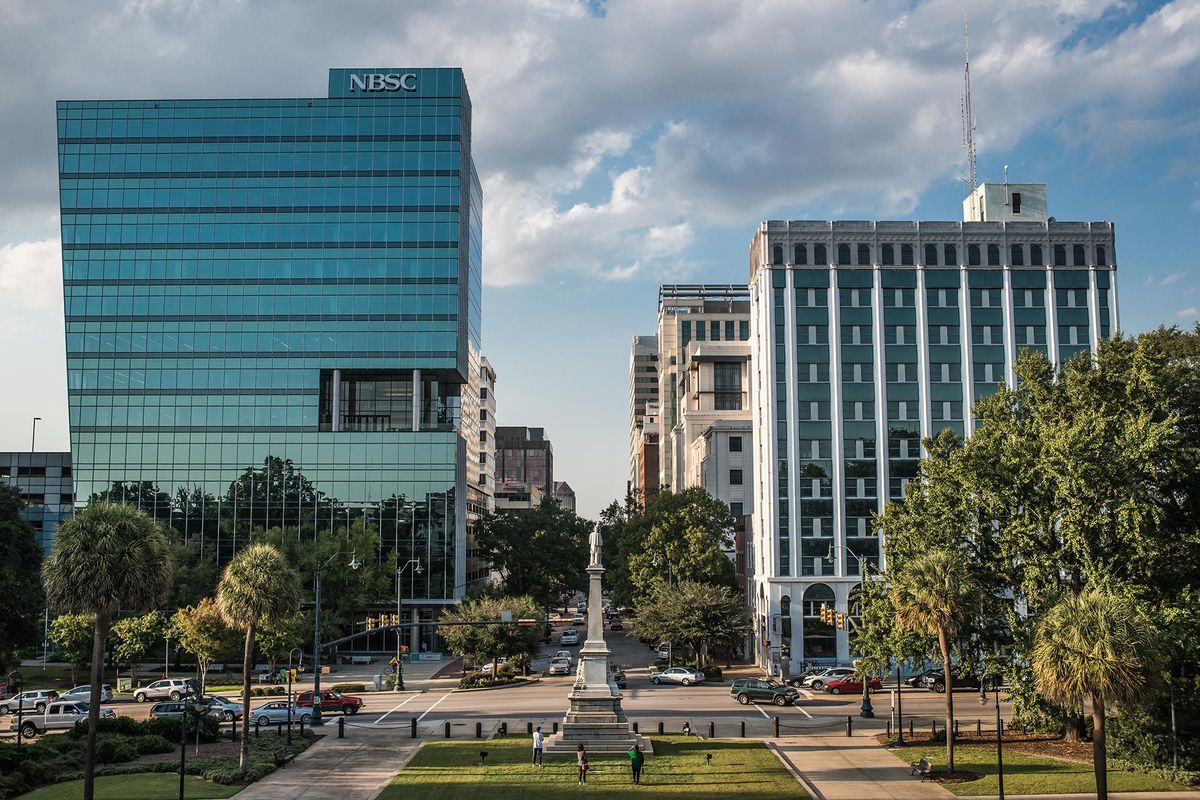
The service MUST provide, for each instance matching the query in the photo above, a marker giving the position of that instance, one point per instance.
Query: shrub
(349, 688)
(479, 680)
(115, 750)
(151, 743)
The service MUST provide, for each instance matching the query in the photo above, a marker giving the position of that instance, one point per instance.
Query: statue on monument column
(595, 542)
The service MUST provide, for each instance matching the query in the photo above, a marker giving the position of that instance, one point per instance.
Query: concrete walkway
(841, 768)
(1176, 795)
(355, 768)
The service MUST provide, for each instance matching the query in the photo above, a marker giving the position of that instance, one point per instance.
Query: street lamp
(399, 686)
(354, 564)
(983, 700)
(296, 655)
(867, 711)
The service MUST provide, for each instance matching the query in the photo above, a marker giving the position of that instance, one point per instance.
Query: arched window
(993, 255)
(1080, 255)
(1035, 256)
(973, 259)
(931, 255)
(1101, 256)
(820, 639)
(843, 255)
(777, 255)
(1060, 255)
(864, 255)
(951, 255)
(820, 257)
(785, 631)
(801, 253)
(906, 255)
(887, 255)
(1017, 255)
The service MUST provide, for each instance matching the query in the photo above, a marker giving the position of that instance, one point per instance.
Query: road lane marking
(759, 709)
(396, 708)
(432, 707)
(803, 710)
(807, 694)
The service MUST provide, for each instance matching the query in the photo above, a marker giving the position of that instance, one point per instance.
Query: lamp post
(33, 438)
(399, 685)
(867, 711)
(983, 700)
(297, 655)
(899, 707)
(354, 564)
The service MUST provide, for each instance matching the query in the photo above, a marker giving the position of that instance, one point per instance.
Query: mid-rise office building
(518, 496)
(868, 337)
(524, 455)
(564, 495)
(46, 484)
(687, 313)
(487, 432)
(643, 389)
(275, 304)
(647, 453)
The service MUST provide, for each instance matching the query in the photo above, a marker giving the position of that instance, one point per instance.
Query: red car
(331, 702)
(852, 685)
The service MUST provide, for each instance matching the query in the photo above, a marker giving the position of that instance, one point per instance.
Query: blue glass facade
(288, 286)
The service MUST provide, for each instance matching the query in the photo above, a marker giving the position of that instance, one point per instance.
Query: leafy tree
(696, 614)
(937, 593)
(538, 552)
(105, 558)
(480, 643)
(686, 539)
(1089, 646)
(201, 630)
(73, 634)
(277, 639)
(136, 636)
(22, 600)
(878, 640)
(258, 588)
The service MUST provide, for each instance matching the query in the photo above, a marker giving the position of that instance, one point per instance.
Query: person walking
(538, 742)
(581, 760)
(636, 759)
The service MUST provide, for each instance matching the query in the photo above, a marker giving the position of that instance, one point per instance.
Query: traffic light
(395, 619)
(825, 614)
(370, 622)
(841, 621)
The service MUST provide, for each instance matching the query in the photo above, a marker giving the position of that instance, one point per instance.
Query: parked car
(616, 625)
(663, 651)
(168, 709)
(331, 701)
(166, 689)
(763, 690)
(617, 675)
(489, 667)
(58, 716)
(277, 711)
(819, 680)
(569, 637)
(936, 682)
(35, 700)
(222, 708)
(682, 675)
(567, 654)
(84, 693)
(559, 666)
(918, 680)
(851, 685)
(578, 619)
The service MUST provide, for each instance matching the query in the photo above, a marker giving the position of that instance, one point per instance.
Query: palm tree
(1095, 645)
(106, 558)
(937, 593)
(257, 587)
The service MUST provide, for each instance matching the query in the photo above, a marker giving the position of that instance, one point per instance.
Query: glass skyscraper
(868, 337)
(273, 312)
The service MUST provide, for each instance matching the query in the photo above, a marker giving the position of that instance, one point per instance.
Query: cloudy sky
(624, 144)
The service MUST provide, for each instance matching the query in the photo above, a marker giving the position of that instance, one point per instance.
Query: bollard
(233, 728)
(302, 726)
(660, 728)
(776, 727)
(712, 730)
(341, 727)
(933, 728)
(1001, 728)
(279, 728)
(743, 723)
(889, 729)
(978, 728)
(478, 730)
(414, 728)
(257, 727)
(910, 728)
(529, 728)
(955, 729)
(447, 730)
(849, 725)
(635, 727)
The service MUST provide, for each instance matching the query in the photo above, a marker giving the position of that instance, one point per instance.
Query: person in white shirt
(538, 741)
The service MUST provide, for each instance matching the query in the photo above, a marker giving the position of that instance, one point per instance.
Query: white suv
(35, 701)
(167, 689)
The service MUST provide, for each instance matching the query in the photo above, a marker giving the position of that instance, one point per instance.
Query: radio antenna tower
(968, 119)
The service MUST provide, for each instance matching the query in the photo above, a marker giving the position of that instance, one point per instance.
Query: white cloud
(1190, 311)
(31, 274)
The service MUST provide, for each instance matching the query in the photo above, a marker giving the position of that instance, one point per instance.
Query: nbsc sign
(384, 82)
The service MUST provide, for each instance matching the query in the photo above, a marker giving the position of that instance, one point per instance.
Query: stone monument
(595, 718)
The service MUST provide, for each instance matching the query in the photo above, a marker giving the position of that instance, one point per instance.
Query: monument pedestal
(595, 718)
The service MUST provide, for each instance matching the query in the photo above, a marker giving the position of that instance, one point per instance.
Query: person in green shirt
(636, 759)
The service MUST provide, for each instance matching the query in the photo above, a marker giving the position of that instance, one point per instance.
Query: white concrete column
(1010, 332)
(416, 393)
(1093, 308)
(964, 338)
(881, 443)
(925, 412)
(1051, 316)
(835, 416)
(336, 399)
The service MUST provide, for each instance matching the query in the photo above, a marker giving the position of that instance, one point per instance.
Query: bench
(923, 768)
(282, 757)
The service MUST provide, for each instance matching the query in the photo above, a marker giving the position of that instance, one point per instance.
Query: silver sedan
(277, 711)
(681, 675)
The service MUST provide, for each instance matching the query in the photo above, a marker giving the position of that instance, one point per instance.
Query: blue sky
(626, 144)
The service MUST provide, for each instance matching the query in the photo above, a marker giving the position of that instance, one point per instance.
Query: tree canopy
(22, 601)
(539, 552)
(698, 615)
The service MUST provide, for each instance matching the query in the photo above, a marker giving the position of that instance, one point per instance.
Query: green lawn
(1026, 774)
(677, 769)
(143, 786)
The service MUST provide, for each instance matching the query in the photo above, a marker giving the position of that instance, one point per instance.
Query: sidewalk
(841, 768)
(1179, 795)
(355, 768)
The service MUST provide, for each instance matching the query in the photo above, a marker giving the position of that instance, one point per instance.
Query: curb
(497, 688)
